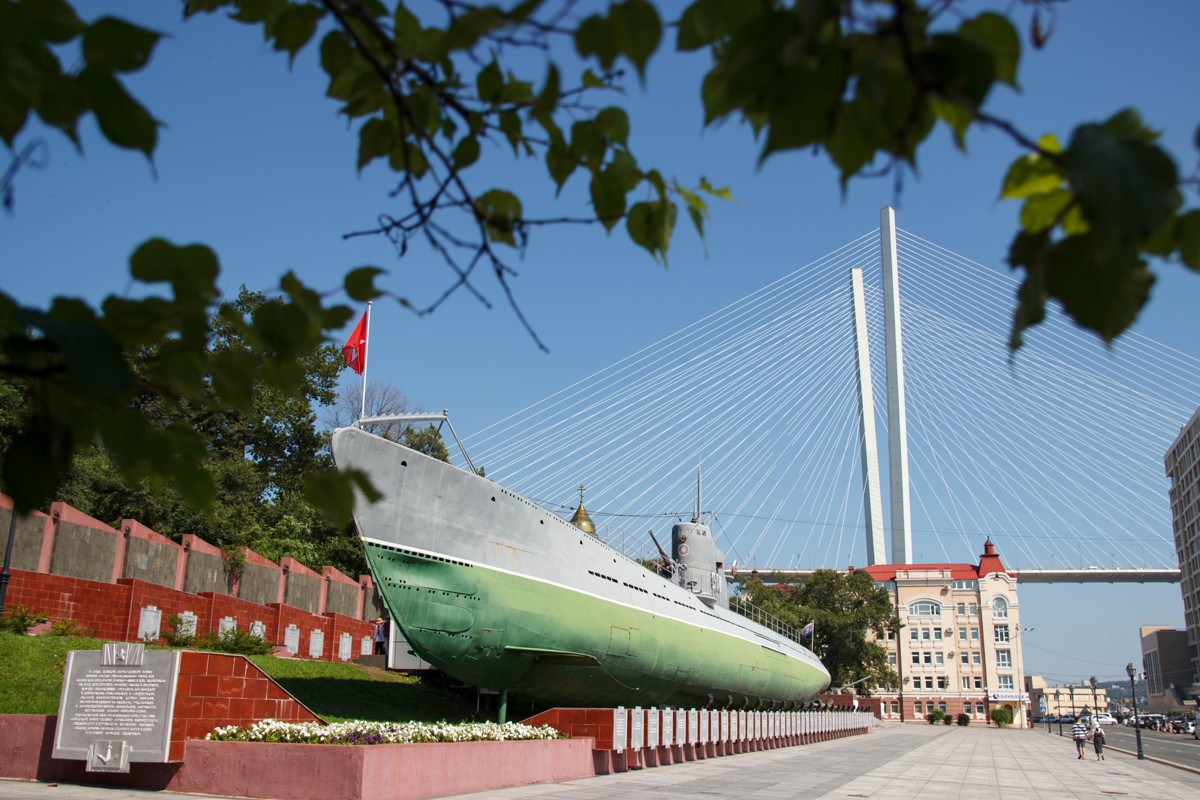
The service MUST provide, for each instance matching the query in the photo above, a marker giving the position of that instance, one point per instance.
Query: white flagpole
(362, 412)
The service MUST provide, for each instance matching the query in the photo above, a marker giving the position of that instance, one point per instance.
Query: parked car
(1106, 719)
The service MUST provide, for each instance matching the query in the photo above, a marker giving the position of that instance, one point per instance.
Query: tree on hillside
(845, 608)
(424, 85)
(257, 459)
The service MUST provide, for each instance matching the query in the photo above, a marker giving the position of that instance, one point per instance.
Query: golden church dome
(581, 519)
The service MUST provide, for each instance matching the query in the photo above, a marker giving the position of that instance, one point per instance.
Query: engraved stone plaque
(258, 628)
(316, 643)
(704, 717)
(637, 730)
(693, 718)
(345, 642)
(291, 639)
(149, 623)
(226, 625)
(652, 737)
(187, 623)
(364, 647)
(668, 727)
(115, 707)
(620, 729)
(681, 726)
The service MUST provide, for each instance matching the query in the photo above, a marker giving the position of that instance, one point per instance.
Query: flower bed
(360, 732)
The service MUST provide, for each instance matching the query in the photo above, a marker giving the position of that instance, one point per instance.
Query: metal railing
(742, 605)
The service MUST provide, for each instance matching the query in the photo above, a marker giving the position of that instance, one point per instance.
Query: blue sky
(253, 161)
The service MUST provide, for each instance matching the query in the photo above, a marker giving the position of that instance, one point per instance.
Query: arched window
(1000, 608)
(924, 608)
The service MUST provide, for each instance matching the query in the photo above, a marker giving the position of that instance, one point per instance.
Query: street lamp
(1058, 708)
(1137, 723)
(1095, 708)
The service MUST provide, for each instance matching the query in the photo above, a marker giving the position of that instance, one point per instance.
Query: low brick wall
(303, 771)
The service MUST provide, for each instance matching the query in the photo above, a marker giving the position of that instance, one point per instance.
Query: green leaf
(95, 364)
(608, 198)
(1125, 185)
(1187, 234)
(500, 212)
(191, 269)
(1041, 211)
(596, 37)
(613, 122)
(333, 493)
(295, 27)
(650, 225)
(123, 120)
(1028, 252)
(1031, 174)
(489, 83)
(723, 192)
(14, 110)
(560, 162)
(638, 30)
(1102, 286)
(510, 125)
(466, 152)
(469, 27)
(997, 35)
(360, 283)
(546, 103)
(118, 46)
(705, 22)
(376, 139)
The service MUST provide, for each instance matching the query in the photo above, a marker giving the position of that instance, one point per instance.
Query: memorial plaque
(704, 731)
(620, 728)
(291, 639)
(225, 625)
(693, 725)
(187, 623)
(316, 643)
(681, 726)
(724, 730)
(668, 727)
(258, 628)
(115, 707)
(149, 624)
(742, 725)
(345, 641)
(637, 730)
(364, 647)
(652, 737)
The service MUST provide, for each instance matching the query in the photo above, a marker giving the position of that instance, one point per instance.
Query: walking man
(1079, 733)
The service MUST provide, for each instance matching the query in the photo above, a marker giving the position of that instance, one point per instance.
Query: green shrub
(18, 619)
(234, 641)
(177, 637)
(65, 627)
(964, 720)
(935, 716)
(1002, 716)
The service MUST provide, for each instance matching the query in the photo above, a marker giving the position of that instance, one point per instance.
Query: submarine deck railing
(742, 605)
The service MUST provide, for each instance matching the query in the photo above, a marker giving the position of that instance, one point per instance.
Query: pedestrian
(1098, 739)
(381, 636)
(1079, 732)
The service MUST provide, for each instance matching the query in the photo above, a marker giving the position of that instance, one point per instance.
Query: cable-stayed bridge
(1056, 453)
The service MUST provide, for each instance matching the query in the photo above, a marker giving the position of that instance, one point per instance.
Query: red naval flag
(355, 348)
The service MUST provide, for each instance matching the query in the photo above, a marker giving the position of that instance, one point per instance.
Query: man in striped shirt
(1079, 733)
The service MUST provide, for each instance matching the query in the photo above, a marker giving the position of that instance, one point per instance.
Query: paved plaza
(892, 762)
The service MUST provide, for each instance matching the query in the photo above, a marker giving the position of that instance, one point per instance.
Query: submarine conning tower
(700, 566)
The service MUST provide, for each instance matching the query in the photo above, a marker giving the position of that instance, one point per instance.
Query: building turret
(581, 519)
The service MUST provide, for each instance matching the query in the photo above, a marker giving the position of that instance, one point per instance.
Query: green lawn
(31, 670)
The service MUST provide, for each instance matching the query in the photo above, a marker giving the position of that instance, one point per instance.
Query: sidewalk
(892, 762)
